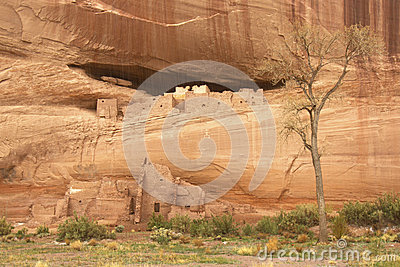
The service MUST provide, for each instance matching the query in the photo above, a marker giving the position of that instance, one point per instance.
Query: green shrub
(267, 225)
(248, 230)
(339, 227)
(5, 227)
(158, 221)
(181, 223)
(21, 233)
(201, 228)
(42, 230)
(361, 214)
(224, 225)
(383, 211)
(299, 219)
(82, 228)
(389, 204)
(119, 228)
(161, 235)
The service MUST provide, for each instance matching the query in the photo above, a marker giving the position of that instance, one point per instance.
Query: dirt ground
(137, 249)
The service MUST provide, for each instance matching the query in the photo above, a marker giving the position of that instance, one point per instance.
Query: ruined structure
(59, 153)
(107, 108)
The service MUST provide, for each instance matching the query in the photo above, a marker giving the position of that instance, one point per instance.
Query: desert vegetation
(372, 226)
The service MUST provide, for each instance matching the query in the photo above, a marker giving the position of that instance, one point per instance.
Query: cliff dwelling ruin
(69, 70)
(113, 201)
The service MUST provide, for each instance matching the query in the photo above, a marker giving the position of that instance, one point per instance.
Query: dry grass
(302, 238)
(93, 242)
(76, 245)
(198, 243)
(41, 264)
(273, 244)
(248, 251)
(113, 245)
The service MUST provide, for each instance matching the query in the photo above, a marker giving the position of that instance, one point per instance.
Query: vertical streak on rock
(173, 45)
(293, 10)
(391, 13)
(222, 29)
(247, 24)
(298, 10)
(315, 8)
(375, 13)
(356, 11)
(213, 45)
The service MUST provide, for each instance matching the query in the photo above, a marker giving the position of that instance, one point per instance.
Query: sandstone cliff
(55, 59)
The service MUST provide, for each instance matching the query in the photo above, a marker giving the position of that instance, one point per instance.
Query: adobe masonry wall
(202, 101)
(107, 108)
(210, 103)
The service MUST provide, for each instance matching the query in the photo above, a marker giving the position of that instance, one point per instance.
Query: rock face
(59, 57)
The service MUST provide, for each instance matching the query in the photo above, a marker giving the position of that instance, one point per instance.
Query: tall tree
(304, 55)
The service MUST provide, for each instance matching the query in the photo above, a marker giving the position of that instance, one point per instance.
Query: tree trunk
(323, 230)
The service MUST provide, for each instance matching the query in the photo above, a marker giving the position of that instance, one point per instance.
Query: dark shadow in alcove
(138, 74)
(132, 73)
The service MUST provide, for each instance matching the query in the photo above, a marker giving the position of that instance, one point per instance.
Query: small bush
(267, 225)
(76, 245)
(248, 251)
(176, 236)
(339, 227)
(181, 223)
(5, 227)
(360, 214)
(161, 235)
(21, 233)
(299, 219)
(224, 225)
(302, 238)
(158, 221)
(248, 230)
(119, 228)
(273, 244)
(201, 228)
(383, 211)
(81, 228)
(389, 204)
(42, 230)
